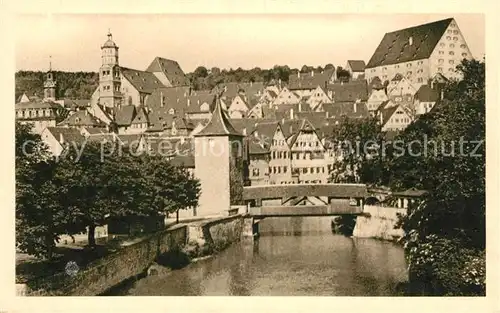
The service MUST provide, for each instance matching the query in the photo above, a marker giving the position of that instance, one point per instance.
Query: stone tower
(217, 147)
(109, 75)
(49, 85)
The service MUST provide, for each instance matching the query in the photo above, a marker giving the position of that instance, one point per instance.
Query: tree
(236, 181)
(201, 71)
(102, 182)
(452, 167)
(343, 75)
(329, 66)
(356, 143)
(40, 212)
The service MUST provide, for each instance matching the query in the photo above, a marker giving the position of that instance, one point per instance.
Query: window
(284, 169)
(397, 66)
(420, 80)
(441, 61)
(452, 25)
(304, 156)
(451, 53)
(450, 69)
(384, 68)
(452, 45)
(279, 169)
(464, 55)
(463, 46)
(448, 38)
(373, 70)
(440, 69)
(255, 172)
(451, 62)
(455, 38)
(409, 73)
(384, 77)
(442, 44)
(449, 31)
(441, 52)
(420, 62)
(408, 65)
(304, 170)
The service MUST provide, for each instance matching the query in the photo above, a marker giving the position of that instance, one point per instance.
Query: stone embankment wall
(207, 237)
(133, 260)
(378, 222)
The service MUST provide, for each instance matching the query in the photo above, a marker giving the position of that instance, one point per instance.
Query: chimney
(61, 138)
(291, 113)
(327, 114)
(298, 74)
(244, 132)
(312, 73)
(432, 84)
(410, 41)
(300, 106)
(188, 102)
(442, 94)
(86, 112)
(355, 107)
(279, 83)
(251, 84)
(162, 99)
(381, 118)
(282, 121)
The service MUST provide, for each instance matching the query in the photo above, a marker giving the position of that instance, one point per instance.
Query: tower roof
(109, 43)
(219, 124)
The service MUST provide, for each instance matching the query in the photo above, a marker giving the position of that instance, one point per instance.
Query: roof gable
(395, 46)
(357, 65)
(171, 69)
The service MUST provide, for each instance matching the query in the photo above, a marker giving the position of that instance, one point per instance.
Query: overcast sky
(225, 41)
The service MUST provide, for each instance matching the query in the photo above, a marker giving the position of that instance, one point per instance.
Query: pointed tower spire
(219, 124)
(50, 63)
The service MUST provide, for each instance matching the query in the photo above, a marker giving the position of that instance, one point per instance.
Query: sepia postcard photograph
(319, 155)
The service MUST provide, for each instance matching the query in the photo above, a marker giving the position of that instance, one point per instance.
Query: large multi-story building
(419, 53)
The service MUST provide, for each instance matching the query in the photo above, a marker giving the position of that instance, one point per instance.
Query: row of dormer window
(29, 113)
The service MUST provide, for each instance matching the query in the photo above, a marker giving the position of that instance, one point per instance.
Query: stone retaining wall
(99, 276)
(379, 223)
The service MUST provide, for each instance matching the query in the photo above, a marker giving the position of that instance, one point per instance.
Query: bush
(441, 267)
(344, 225)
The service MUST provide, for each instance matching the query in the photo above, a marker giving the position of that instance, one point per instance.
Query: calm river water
(292, 257)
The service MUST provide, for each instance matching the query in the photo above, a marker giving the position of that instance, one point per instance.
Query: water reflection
(307, 265)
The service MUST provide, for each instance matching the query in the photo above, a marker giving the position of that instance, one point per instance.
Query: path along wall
(112, 269)
(378, 222)
(99, 276)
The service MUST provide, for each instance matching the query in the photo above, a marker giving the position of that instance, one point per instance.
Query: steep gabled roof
(308, 80)
(349, 92)
(144, 82)
(357, 65)
(171, 69)
(124, 115)
(68, 134)
(82, 118)
(37, 105)
(140, 117)
(387, 112)
(219, 124)
(395, 46)
(426, 94)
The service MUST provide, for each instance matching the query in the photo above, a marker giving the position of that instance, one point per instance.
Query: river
(292, 257)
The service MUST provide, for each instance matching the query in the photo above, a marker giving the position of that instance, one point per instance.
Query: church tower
(109, 75)
(49, 85)
(218, 149)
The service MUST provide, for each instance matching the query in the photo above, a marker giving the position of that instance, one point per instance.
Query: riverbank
(173, 247)
(379, 222)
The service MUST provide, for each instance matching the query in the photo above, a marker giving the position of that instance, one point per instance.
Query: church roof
(395, 47)
(219, 124)
(109, 43)
(144, 82)
(171, 69)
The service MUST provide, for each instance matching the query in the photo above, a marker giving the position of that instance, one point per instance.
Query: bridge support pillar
(250, 227)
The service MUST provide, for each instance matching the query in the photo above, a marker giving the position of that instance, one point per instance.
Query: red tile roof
(395, 46)
(171, 69)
